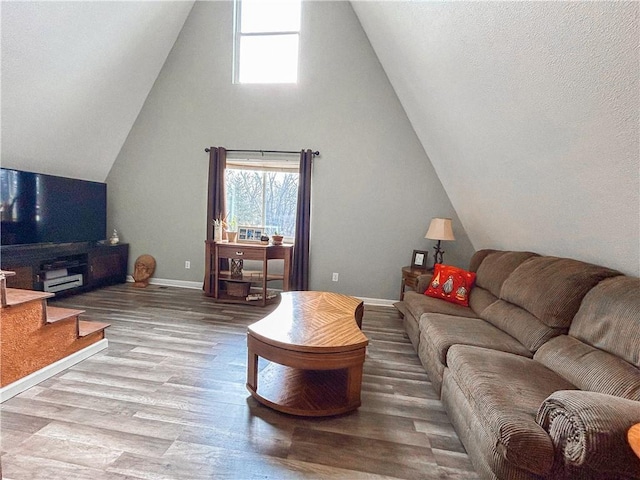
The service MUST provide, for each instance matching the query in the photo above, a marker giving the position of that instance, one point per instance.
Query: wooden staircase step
(87, 327)
(55, 314)
(40, 340)
(16, 296)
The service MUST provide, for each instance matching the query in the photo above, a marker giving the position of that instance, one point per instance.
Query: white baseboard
(377, 302)
(172, 283)
(49, 371)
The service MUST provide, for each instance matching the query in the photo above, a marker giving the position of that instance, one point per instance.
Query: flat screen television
(36, 208)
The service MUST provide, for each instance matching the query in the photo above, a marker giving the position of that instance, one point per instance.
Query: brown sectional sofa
(540, 375)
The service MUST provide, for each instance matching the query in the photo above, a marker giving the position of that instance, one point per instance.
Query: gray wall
(530, 114)
(374, 188)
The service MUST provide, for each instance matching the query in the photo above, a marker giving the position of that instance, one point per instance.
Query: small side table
(410, 278)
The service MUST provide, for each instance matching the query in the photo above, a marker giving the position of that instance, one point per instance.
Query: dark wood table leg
(252, 371)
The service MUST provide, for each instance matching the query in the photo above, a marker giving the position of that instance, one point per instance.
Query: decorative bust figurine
(143, 270)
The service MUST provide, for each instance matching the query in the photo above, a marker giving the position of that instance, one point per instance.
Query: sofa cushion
(589, 368)
(478, 257)
(552, 288)
(410, 324)
(430, 360)
(443, 331)
(609, 318)
(451, 284)
(480, 444)
(439, 332)
(479, 299)
(497, 266)
(418, 303)
(520, 324)
(505, 392)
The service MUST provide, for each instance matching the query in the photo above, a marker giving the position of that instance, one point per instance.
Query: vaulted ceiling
(528, 111)
(75, 76)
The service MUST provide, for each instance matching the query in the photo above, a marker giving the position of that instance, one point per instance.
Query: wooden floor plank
(167, 400)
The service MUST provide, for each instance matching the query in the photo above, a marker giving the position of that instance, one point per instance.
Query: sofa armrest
(423, 282)
(589, 434)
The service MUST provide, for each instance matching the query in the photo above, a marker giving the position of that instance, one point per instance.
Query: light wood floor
(167, 400)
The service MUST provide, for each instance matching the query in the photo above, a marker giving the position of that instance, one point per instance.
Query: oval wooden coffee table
(316, 352)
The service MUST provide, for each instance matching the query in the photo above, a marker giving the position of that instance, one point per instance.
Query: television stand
(65, 268)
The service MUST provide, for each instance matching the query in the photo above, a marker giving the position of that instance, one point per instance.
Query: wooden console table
(316, 349)
(214, 275)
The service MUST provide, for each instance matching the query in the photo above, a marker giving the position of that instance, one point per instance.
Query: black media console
(65, 268)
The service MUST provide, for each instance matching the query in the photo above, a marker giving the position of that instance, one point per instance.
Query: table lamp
(439, 229)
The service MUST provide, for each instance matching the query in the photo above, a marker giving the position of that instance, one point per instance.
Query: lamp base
(439, 255)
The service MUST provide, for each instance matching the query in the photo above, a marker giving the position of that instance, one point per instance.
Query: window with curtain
(263, 193)
(266, 39)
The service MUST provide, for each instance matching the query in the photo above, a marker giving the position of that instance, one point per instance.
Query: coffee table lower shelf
(304, 392)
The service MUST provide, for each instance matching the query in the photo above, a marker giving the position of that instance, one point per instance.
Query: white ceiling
(529, 111)
(75, 76)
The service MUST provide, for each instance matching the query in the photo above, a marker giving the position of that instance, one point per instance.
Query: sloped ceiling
(74, 78)
(529, 112)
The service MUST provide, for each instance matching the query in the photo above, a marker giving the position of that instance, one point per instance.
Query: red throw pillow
(451, 284)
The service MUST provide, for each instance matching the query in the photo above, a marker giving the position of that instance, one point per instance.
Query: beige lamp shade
(440, 229)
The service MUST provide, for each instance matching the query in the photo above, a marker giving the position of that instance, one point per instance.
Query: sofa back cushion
(496, 267)
(540, 296)
(552, 288)
(589, 368)
(478, 257)
(493, 267)
(479, 299)
(609, 318)
(520, 324)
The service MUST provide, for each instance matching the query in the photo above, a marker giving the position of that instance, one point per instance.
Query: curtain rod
(265, 151)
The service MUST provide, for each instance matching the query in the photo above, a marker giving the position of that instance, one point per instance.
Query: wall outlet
(187, 264)
(334, 277)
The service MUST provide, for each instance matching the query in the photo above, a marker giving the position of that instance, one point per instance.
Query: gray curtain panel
(300, 268)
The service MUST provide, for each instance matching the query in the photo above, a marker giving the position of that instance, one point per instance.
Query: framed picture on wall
(250, 234)
(419, 259)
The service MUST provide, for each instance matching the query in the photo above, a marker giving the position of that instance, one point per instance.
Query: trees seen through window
(262, 198)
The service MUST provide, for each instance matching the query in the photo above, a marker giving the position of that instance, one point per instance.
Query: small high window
(267, 34)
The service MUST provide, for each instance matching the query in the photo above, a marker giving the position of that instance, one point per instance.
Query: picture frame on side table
(419, 259)
(250, 234)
